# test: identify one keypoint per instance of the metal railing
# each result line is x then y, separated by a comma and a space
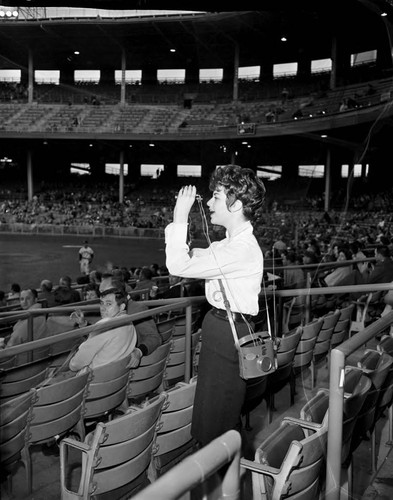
198, 468
156, 307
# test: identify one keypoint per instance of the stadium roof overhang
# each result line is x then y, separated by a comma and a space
194, 5
206, 39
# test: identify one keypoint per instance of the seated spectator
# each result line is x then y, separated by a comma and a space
154, 269
357, 254
148, 338
64, 294
293, 278
310, 257
280, 245
145, 281
334, 277
91, 291
105, 347
382, 272
120, 275
13, 296
19, 335
47, 293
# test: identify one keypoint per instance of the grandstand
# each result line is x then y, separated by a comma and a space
301, 93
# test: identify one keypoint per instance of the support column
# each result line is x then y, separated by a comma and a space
30, 85
333, 73
107, 76
328, 180
121, 177
192, 72
304, 66
29, 162
236, 74
123, 77
149, 75
341, 63
385, 49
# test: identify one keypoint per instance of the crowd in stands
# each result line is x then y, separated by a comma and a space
96, 204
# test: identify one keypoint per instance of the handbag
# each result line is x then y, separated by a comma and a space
256, 351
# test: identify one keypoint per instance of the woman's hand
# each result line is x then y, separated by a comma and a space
185, 200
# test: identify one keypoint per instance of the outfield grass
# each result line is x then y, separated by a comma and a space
27, 259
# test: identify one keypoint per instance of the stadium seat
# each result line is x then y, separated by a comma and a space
341, 330
173, 441
57, 410
107, 390
147, 379
323, 342
289, 461
305, 351
276, 381
14, 429
114, 458
20, 379
176, 365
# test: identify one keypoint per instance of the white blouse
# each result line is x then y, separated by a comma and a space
236, 260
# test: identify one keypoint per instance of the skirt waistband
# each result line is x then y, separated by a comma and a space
237, 317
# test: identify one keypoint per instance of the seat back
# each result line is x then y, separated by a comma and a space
377, 367
180, 322
173, 440
107, 389
165, 328
14, 425
356, 389
58, 407
305, 347
341, 330
289, 462
176, 365
329, 321
386, 345
316, 409
20, 379
114, 455
287, 345
147, 378
293, 314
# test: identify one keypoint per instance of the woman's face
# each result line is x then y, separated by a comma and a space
219, 213
341, 256
109, 308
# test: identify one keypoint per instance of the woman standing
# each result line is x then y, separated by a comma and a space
236, 261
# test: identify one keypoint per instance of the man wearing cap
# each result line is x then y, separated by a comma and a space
86, 255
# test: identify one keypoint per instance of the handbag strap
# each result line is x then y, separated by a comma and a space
229, 313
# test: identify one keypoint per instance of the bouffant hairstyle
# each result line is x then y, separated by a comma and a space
241, 184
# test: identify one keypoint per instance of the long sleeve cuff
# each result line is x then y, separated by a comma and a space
176, 234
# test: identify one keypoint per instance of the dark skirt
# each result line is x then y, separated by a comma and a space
220, 391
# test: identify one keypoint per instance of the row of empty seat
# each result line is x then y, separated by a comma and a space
56, 403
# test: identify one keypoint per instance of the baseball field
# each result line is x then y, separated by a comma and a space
27, 259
